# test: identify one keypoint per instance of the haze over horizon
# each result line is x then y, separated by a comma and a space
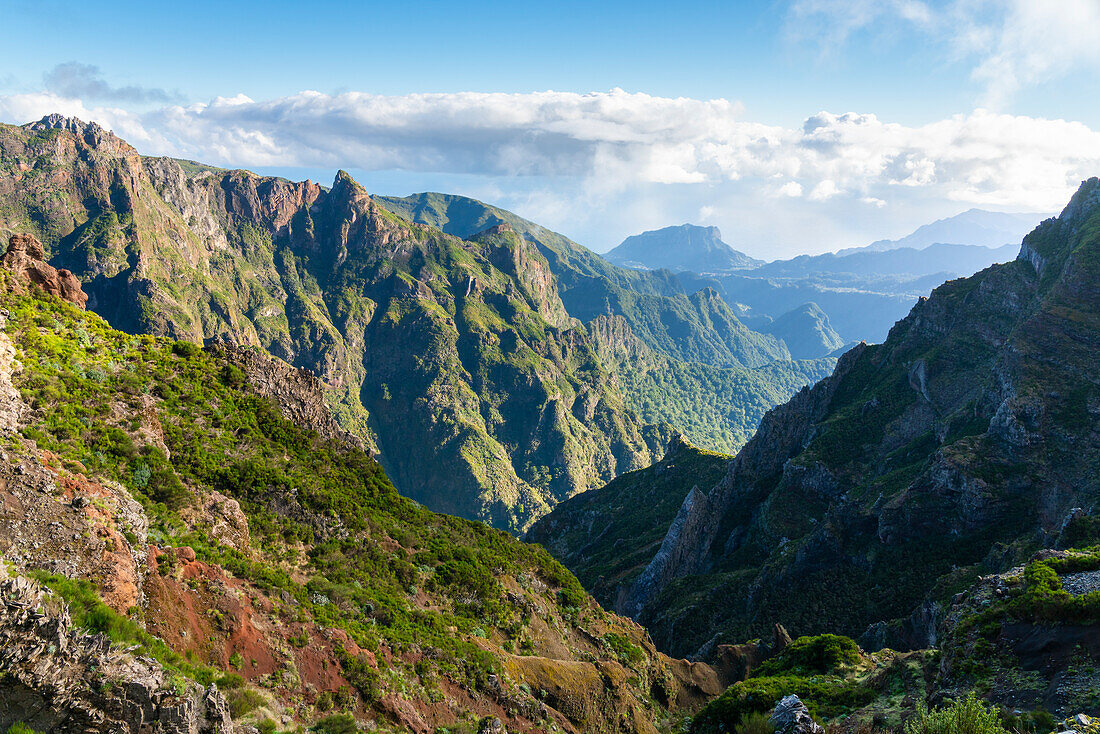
797, 127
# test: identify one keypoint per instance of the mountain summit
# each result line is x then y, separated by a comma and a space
972, 227
687, 247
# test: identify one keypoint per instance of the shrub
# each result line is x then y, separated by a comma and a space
336, 724
755, 723
963, 716
20, 728
244, 701
824, 696
186, 349
625, 650
810, 655
360, 674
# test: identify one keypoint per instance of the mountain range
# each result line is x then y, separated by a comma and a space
451, 337
862, 290
972, 227
235, 411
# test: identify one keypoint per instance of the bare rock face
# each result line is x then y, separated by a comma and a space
296, 391
63, 522
56, 678
11, 403
221, 518
24, 257
792, 717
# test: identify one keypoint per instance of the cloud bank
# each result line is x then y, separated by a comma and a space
615, 140
605, 165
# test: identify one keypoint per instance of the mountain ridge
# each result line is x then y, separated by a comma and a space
682, 247
383, 310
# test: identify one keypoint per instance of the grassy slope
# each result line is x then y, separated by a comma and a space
329, 532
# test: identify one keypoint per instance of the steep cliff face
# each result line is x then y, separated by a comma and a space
455, 360
961, 443
608, 536
205, 547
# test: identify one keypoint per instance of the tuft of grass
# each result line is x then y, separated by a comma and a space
967, 715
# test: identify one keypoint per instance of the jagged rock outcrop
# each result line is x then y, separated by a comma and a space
1025, 646
58, 679
25, 258
297, 392
62, 521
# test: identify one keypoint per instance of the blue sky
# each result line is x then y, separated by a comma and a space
919, 75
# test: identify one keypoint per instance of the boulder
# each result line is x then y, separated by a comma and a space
792, 717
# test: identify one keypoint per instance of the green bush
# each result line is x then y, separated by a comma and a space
810, 655
963, 716
336, 724
756, 723
243, 701
824, 696
20, 728
626, 651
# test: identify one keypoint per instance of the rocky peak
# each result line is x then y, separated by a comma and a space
58, 121
93, 135
1052, 240
1084, 202
25, 258
511, 253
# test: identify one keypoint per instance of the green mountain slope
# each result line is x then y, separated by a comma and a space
970, 438
454, 358
806, 331
699, 327
717, 408
161, 490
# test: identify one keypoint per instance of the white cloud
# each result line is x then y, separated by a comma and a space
1010, 44
827, 189
1036, 41
792, 189
587, 162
